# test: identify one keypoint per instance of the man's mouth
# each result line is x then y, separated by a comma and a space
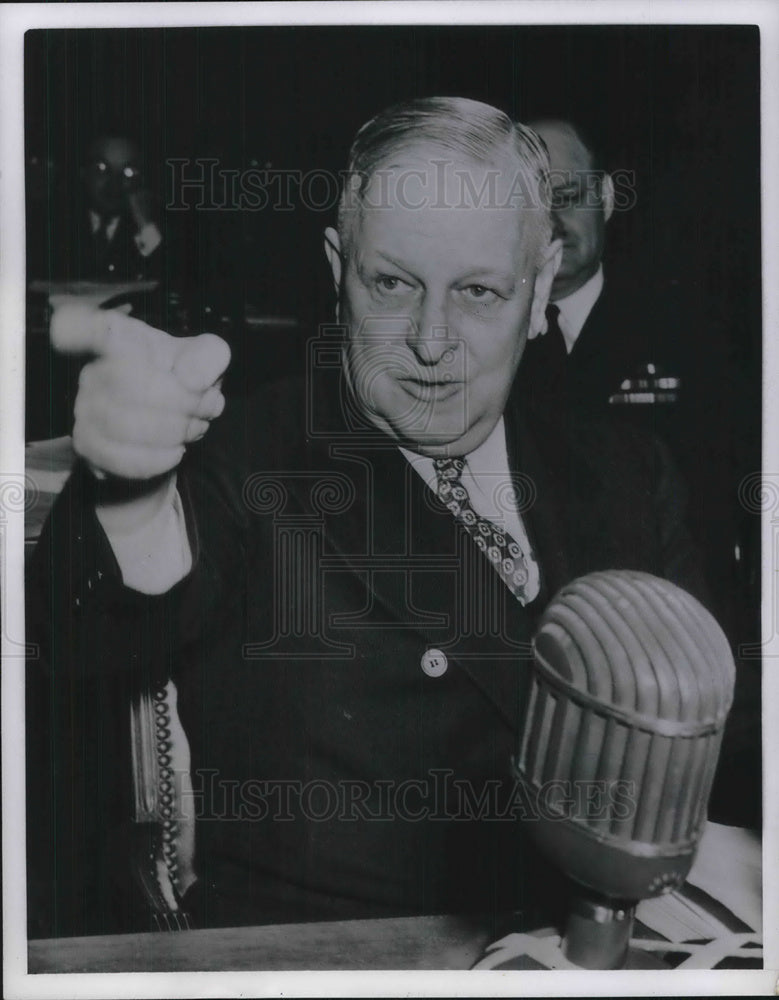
431, 388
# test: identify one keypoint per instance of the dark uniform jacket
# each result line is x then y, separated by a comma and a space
631, 360
698, 399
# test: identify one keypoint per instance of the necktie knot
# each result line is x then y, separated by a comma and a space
554, 334
449, 469
450, 490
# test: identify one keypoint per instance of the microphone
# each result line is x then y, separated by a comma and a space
631, 685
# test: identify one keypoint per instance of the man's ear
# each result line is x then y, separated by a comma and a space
607, 196
543, 287
333, 254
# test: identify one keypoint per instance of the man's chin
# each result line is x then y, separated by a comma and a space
441, 441
435, 431
420, 437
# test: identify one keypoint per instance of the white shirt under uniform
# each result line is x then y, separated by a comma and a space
575, 308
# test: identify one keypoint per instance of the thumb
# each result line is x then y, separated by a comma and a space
200, 361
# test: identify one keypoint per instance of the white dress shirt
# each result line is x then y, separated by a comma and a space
576, 307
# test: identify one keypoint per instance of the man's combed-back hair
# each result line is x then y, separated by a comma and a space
466, 128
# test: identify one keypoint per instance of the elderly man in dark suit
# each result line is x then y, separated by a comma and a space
326, 599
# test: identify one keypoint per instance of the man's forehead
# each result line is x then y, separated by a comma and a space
443, 242
437, 178
566, 150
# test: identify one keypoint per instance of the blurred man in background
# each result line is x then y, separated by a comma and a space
95, 232
125, 236
603, 350
107, 228
618, 347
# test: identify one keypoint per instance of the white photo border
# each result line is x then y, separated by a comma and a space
14, 21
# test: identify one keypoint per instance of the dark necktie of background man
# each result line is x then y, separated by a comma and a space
543, 372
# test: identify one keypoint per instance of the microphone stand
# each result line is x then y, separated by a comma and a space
597, 935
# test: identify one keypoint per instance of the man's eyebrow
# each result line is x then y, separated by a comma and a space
507, 278
389, 260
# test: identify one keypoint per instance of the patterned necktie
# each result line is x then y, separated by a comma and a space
498, 546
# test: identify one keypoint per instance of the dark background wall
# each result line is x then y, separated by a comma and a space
677, 105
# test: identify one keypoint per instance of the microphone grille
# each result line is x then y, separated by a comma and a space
631, 686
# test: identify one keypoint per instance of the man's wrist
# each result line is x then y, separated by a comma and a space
125, 505
148, 536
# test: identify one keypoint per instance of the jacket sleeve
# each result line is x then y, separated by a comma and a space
83, 617
96, 642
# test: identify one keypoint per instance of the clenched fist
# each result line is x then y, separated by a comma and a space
145, 396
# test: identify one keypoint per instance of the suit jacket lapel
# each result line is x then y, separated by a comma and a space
425, 573
533, 454
394, 535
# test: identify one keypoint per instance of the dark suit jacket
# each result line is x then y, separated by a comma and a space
335, 778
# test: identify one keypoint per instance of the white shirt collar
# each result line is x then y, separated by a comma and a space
483, 465
488, 457
576, 307
95, 220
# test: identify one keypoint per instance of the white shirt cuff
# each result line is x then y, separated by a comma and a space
155, 555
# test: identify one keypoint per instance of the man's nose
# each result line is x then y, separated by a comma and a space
429, 335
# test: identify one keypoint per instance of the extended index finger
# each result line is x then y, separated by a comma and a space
79, 328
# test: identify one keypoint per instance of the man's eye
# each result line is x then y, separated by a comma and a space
481, 294
389, 283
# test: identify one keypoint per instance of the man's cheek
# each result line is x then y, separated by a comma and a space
374, 372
